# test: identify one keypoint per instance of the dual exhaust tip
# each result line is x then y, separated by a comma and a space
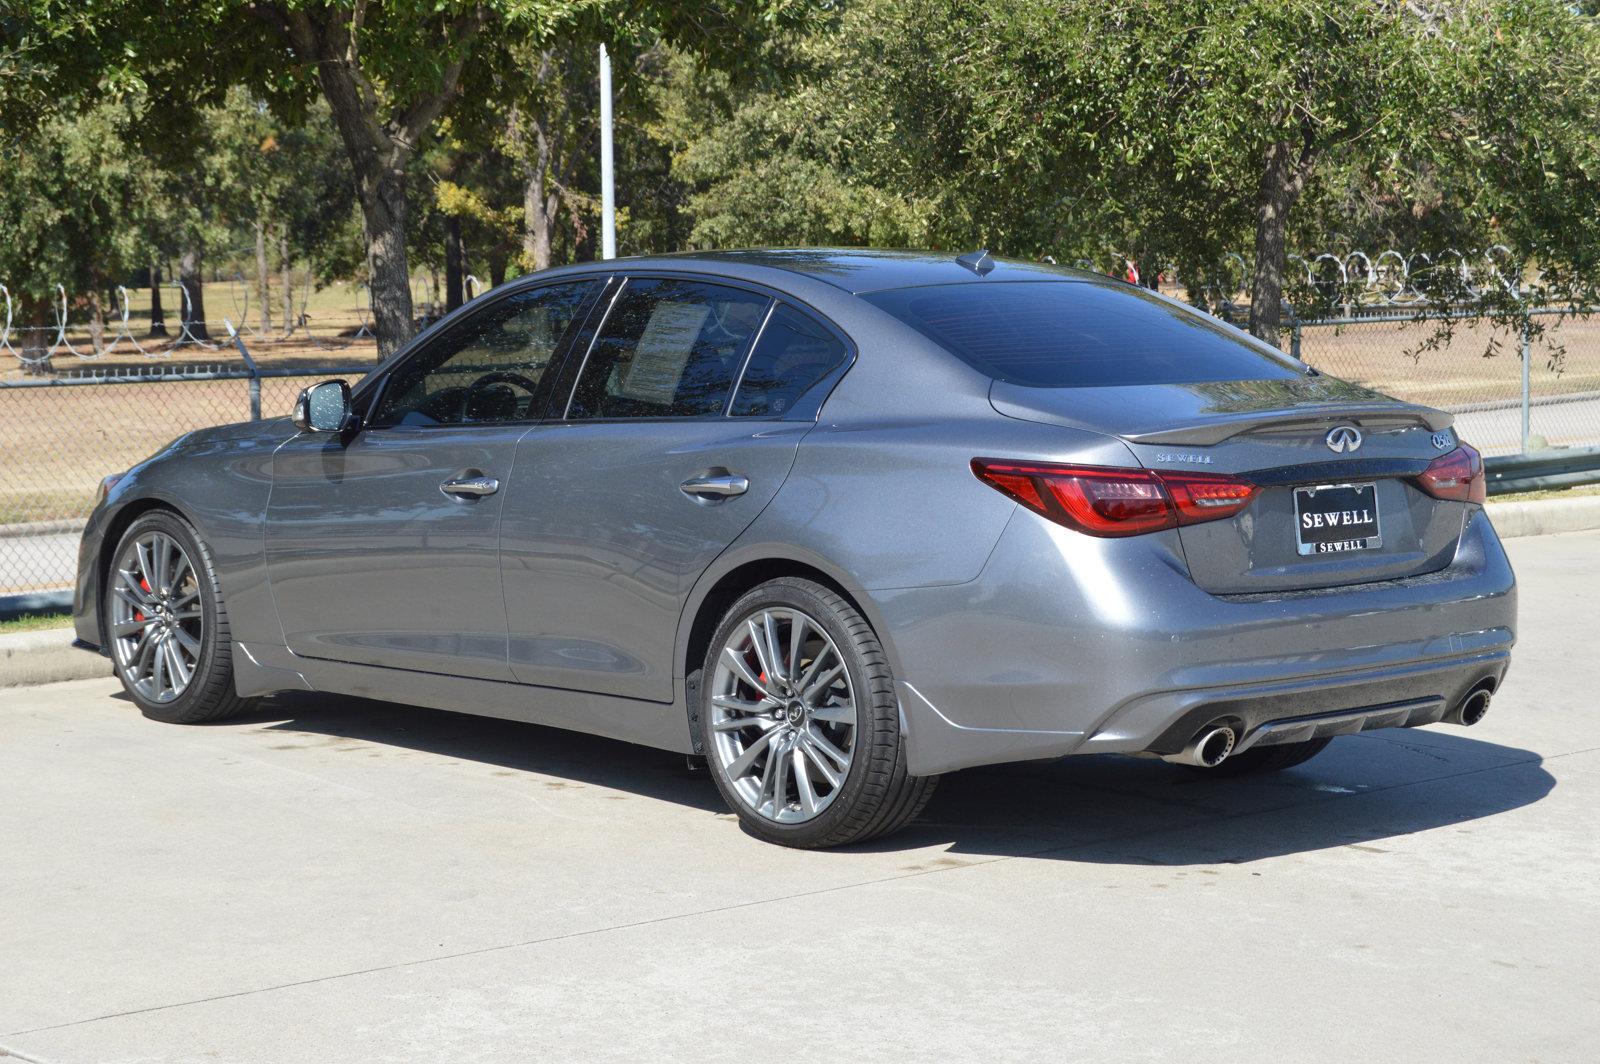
1208, 749
1471, 709
1213, 745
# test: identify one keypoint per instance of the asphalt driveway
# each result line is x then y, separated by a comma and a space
334, 880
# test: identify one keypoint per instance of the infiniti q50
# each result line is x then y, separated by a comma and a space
837, 521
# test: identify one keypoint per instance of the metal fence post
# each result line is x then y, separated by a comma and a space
250, 366
1294, 337
1527, 386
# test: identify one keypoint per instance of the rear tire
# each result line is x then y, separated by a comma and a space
800, 723
1264, 759
166, 625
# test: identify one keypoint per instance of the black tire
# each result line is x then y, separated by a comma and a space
1264, 759
877, 796
210, 694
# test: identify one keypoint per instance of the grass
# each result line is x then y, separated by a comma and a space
1548, 493
35, 622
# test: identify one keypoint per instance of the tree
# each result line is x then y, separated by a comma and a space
70, 182
1173, 132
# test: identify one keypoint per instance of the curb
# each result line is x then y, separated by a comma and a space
28, 658
1544, 517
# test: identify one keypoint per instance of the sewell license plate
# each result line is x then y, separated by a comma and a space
1332, 518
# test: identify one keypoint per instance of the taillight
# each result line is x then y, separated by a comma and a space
1115, 502
1457, 476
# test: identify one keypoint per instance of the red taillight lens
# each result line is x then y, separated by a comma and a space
1115, 502
1457, 476
1206, 498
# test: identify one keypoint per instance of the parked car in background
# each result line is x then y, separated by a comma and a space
839, 521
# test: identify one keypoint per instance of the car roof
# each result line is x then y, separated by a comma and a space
862, 270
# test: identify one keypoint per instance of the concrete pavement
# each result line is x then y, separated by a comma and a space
333, 880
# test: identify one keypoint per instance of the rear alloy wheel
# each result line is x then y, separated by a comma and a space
799, 720
167, 630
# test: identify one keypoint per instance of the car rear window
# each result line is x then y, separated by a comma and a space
1071, 334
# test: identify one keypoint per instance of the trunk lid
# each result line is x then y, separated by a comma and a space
1275, 433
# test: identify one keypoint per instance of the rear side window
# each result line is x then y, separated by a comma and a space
792, 355
668, 349
1069, 334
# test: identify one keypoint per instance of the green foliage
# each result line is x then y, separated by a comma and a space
1094, 130
1084, 130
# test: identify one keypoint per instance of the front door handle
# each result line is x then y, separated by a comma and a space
470, 487
715, 487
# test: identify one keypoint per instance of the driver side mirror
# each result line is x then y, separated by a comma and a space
324, 407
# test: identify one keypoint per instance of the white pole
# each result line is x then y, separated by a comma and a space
608, 196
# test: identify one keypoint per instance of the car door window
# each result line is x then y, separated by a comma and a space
490, 367
669, 348
792, 355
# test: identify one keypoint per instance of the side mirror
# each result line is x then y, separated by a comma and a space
323, 407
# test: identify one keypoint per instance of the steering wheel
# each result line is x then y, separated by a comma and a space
527, 384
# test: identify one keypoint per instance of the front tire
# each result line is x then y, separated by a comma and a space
166, 623
800, 723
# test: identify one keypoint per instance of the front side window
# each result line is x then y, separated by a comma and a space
1078, 334
489, 367
669, 348
792, 355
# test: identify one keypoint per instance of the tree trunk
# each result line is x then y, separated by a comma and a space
288, 283
263, 279
454, 297
158, 317
536, 234
194, 306
497, 266
384, 209
97, 320
36, 338
1282, 178
379, 145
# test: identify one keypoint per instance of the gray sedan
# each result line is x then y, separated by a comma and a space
836, 521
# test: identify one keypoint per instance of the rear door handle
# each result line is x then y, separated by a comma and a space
715, 487
470, 487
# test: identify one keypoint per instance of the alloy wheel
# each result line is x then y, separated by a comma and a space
156, 617
783, 715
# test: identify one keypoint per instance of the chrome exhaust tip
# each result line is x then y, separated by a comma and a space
1471, 709
1208, 749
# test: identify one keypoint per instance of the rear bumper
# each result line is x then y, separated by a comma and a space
1066, 645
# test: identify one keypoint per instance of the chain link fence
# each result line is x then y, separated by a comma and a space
1513, 390
66, 425
61, 435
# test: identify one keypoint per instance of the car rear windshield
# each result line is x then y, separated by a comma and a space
1073, 334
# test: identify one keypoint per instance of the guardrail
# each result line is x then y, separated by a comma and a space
1560, 468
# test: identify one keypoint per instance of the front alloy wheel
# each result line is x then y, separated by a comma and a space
157, 623
166, 625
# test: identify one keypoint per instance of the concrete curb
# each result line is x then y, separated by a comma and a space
1543, 517
48, 656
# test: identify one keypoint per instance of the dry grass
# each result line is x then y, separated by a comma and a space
58, 442
1386, 356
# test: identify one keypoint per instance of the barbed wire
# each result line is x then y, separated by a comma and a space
1352, 280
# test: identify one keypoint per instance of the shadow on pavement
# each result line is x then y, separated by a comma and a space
1100, 809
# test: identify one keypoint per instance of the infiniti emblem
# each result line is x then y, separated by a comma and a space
1344, 438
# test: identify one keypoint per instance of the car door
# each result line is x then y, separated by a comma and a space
382, 545
618, 507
